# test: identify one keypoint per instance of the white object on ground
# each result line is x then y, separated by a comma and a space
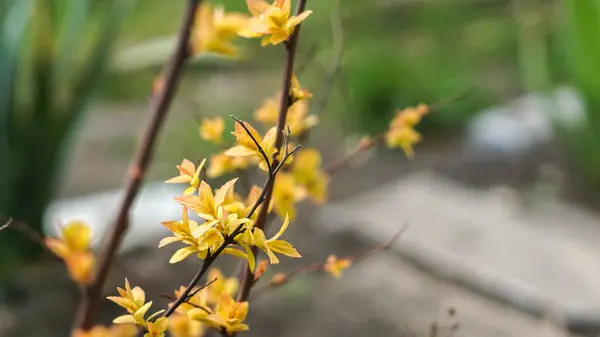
516, 128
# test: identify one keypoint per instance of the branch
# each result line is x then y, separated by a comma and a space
291, 45
193, 293
26, 231
6, 225
189, 297
338, 29
346, 161
230, 239
255, 141
159, 106
285, 278
208, 261
367, 143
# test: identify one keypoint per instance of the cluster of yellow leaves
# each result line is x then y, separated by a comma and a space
297, 119
274, 23
211, 130
305, 179
214, 29
247, 152
220, 209
247, 147
402, 133
134, 301
212, 306
189, 174
74, 248
118, 330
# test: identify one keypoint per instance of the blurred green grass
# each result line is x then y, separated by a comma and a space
394, 57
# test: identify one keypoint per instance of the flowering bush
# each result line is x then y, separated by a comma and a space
231, 223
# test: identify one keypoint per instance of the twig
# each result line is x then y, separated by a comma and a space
27, 231
384, 247
309, 56
262, 197
321, 265
260, 149
173, 298
346, 161
190, 296
6, 225
208, 261
338, 29
159, 107
291, 45
230, 239
193, 293
436, 106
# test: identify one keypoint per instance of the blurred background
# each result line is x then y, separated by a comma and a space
501, 200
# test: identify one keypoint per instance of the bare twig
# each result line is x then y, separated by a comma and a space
25, 230
346, 161
321, 265
6, 225
308, 58
441, 104
169, 297
193, 293
159, 107
338, 29
384, 247
291, 44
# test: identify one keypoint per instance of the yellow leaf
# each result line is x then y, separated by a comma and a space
182, 254
77, 236
125, 319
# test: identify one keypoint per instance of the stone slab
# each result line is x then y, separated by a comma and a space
542, 260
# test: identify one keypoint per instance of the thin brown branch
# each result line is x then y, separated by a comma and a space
260, 149
193, 293
188, 298
309, 56
346, 161
262, 197
384, 247
159, 106
291, 46
367, 143
173, 298
208, 261
338, 28
285, 278
28, 232
441, 104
